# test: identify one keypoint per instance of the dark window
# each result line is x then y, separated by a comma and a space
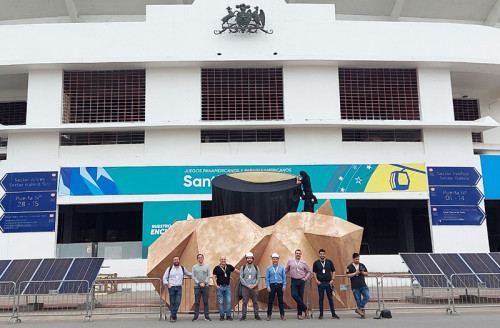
3, 157
102, 138
13, 113
468, 110
381, 135
212, 136
104, 96
391, 226
492, 208
242, 94
379, 94
99, 223
3, 141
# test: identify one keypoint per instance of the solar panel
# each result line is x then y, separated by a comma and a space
49, 270
3, 265
483, 263
495, 257
81, 269
21, 270
453, 264
425, 270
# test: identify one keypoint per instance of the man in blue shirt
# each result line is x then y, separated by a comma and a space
276, 284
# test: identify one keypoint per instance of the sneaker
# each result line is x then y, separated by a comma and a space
229, 318
334, 316
320, 317
207, 318
221, 318
257, 317
243, 318
194, 319
268, 318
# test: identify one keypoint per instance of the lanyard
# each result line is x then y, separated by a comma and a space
298, 263
224, 269
276, 271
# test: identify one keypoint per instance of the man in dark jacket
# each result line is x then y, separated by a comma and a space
307, 194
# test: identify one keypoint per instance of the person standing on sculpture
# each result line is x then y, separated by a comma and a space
222, 281
357, 272
324, 275
173, 280
201, 276
249, 278
299, 273
275, 284
307, 194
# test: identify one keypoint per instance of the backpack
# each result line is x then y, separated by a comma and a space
386, 314
169, 269
239, 293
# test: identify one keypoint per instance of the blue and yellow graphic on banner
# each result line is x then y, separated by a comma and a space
157, 180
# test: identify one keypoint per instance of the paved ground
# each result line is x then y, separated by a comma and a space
434, 319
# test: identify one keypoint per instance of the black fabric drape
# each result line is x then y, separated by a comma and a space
263, 203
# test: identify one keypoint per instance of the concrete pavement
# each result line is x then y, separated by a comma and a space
435, 319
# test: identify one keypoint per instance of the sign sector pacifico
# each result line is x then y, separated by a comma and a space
453, 176
454, 197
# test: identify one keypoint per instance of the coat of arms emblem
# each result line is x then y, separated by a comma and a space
243, 20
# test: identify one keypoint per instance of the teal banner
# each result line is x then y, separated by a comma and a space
161, 180
159, 216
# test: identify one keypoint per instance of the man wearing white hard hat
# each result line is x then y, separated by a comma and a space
276, 284
249, 278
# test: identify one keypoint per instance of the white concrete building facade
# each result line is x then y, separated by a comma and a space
120, 195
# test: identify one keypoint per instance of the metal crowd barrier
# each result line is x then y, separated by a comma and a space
343, 287
149, 296
483, 290
127, 296
8, 300
408, 291
53, 298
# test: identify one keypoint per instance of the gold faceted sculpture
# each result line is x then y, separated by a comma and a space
234, 235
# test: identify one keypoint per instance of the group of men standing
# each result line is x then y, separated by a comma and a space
276, 284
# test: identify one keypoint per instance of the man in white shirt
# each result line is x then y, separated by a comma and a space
173, 279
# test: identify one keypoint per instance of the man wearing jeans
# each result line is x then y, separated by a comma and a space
324, 275
222, 280
299, 273
276, 285
201, 276
173, 279
357, 272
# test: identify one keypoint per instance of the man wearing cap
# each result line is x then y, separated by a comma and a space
299, 273
222, 280
249, 278
324, 275
275, 284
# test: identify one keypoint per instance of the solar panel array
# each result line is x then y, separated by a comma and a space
464, 270
45, 276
